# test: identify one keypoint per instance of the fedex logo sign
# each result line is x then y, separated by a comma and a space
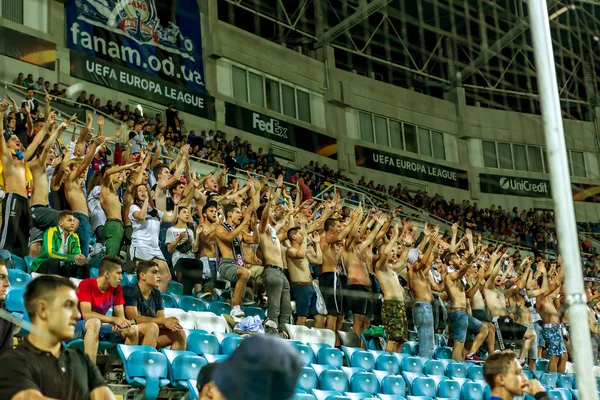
270, 126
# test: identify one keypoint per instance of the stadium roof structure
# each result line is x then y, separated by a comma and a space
432, 46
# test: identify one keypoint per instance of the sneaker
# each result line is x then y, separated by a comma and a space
473, 357
237, 312
271, 327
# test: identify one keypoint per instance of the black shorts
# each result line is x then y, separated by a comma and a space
330, 287
481, 315
360, 300
509, 329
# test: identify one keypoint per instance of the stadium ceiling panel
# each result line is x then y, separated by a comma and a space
432, 46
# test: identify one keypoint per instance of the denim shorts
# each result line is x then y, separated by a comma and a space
461, 322
106, 333
306, 300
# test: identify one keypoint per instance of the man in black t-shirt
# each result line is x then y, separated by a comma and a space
41, 367
144, 304
6, 328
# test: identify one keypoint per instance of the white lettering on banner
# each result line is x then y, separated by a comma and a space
270, 126
130, 79
415, 167
523, 185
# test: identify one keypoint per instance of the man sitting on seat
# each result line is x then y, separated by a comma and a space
96, 297
144, 305
61, 251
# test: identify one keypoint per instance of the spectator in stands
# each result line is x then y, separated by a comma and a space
55, 90
504, 374
39, 84
6, 327
262, 367
170, 116
144, 305
19, 79
60, 253
33, 103
137, 137
41, 367
205, 384
28, 82
96, 297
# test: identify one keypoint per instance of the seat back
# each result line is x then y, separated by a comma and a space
434, 367
209, 321
324, 336
566, 381
186, 367
449, 389
168, 300
411, 364
383, 396
230, 343
364, 382
151, 365
330, 356
305, 352
18, 278
350, 371
393, 384
423, 386
541, 365
319, 369
411, 348
203, 343
333, 380
190, 303
324, 394
298, 332
14, 301
18, 263
442, 353
307, 380
349, 339
475, 372
251, 311
362, 359
550, 379
387, 362
456, 370
185, 319
560, 394
219, 307
175, 287
472, 391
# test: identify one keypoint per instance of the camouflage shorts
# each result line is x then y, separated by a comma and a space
393, 315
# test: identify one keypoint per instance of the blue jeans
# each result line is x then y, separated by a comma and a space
423, 319
460, 323
84, 232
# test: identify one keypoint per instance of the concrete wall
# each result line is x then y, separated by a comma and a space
337, 98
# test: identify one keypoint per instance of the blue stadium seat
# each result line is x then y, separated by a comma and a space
560, 394
541, 364
438, 379
324, 394
423, 386
364, 382
28, 261
528, 374
362, 359
350, 371
410, 348
383, 396
14, 300
442, 353
434, 367
305, 352
303, 396
550, 379
228, 342
307, 380
19, 263
449, 389
333, 380
316, 347
411, 364
93, 272
472, 391
349, 351
393, 384
175, 287
340, 397
456, 370
400, 356
168, 300
190, 303
251, 311
213, 358
418, 398
358, 396
330, 356
18, 278
575, 394
409, 377
219, 307
475, 372
566, 381
387, 362
184, 367
144, 368
203, 343
319, 369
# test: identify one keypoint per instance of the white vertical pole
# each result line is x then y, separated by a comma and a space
562, 196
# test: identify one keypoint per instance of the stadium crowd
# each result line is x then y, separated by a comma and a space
68, 208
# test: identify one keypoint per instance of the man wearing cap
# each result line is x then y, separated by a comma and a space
261, 368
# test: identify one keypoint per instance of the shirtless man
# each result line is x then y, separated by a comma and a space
329, 282
478, 311
494, 293
73, 184
420, 286
520, 303
111, 204
207, 244
42, 216
164, 180
277, 284
16, 215
299, 255
360, 301
393, 310
461, 322
552, 330
231, 260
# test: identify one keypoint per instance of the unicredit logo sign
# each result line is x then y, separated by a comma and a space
523, 185
270, 125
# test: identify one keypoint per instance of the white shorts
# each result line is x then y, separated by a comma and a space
146, 254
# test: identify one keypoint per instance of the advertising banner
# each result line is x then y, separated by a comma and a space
152, 47
411, 168
29, 49
280, 131
514, 186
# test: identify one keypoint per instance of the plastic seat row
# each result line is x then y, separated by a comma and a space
203, 343
204, 320
311, 335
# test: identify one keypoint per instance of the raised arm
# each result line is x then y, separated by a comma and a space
300, 252
37, 140
3, 148
87, 160
317, 257
385, 254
